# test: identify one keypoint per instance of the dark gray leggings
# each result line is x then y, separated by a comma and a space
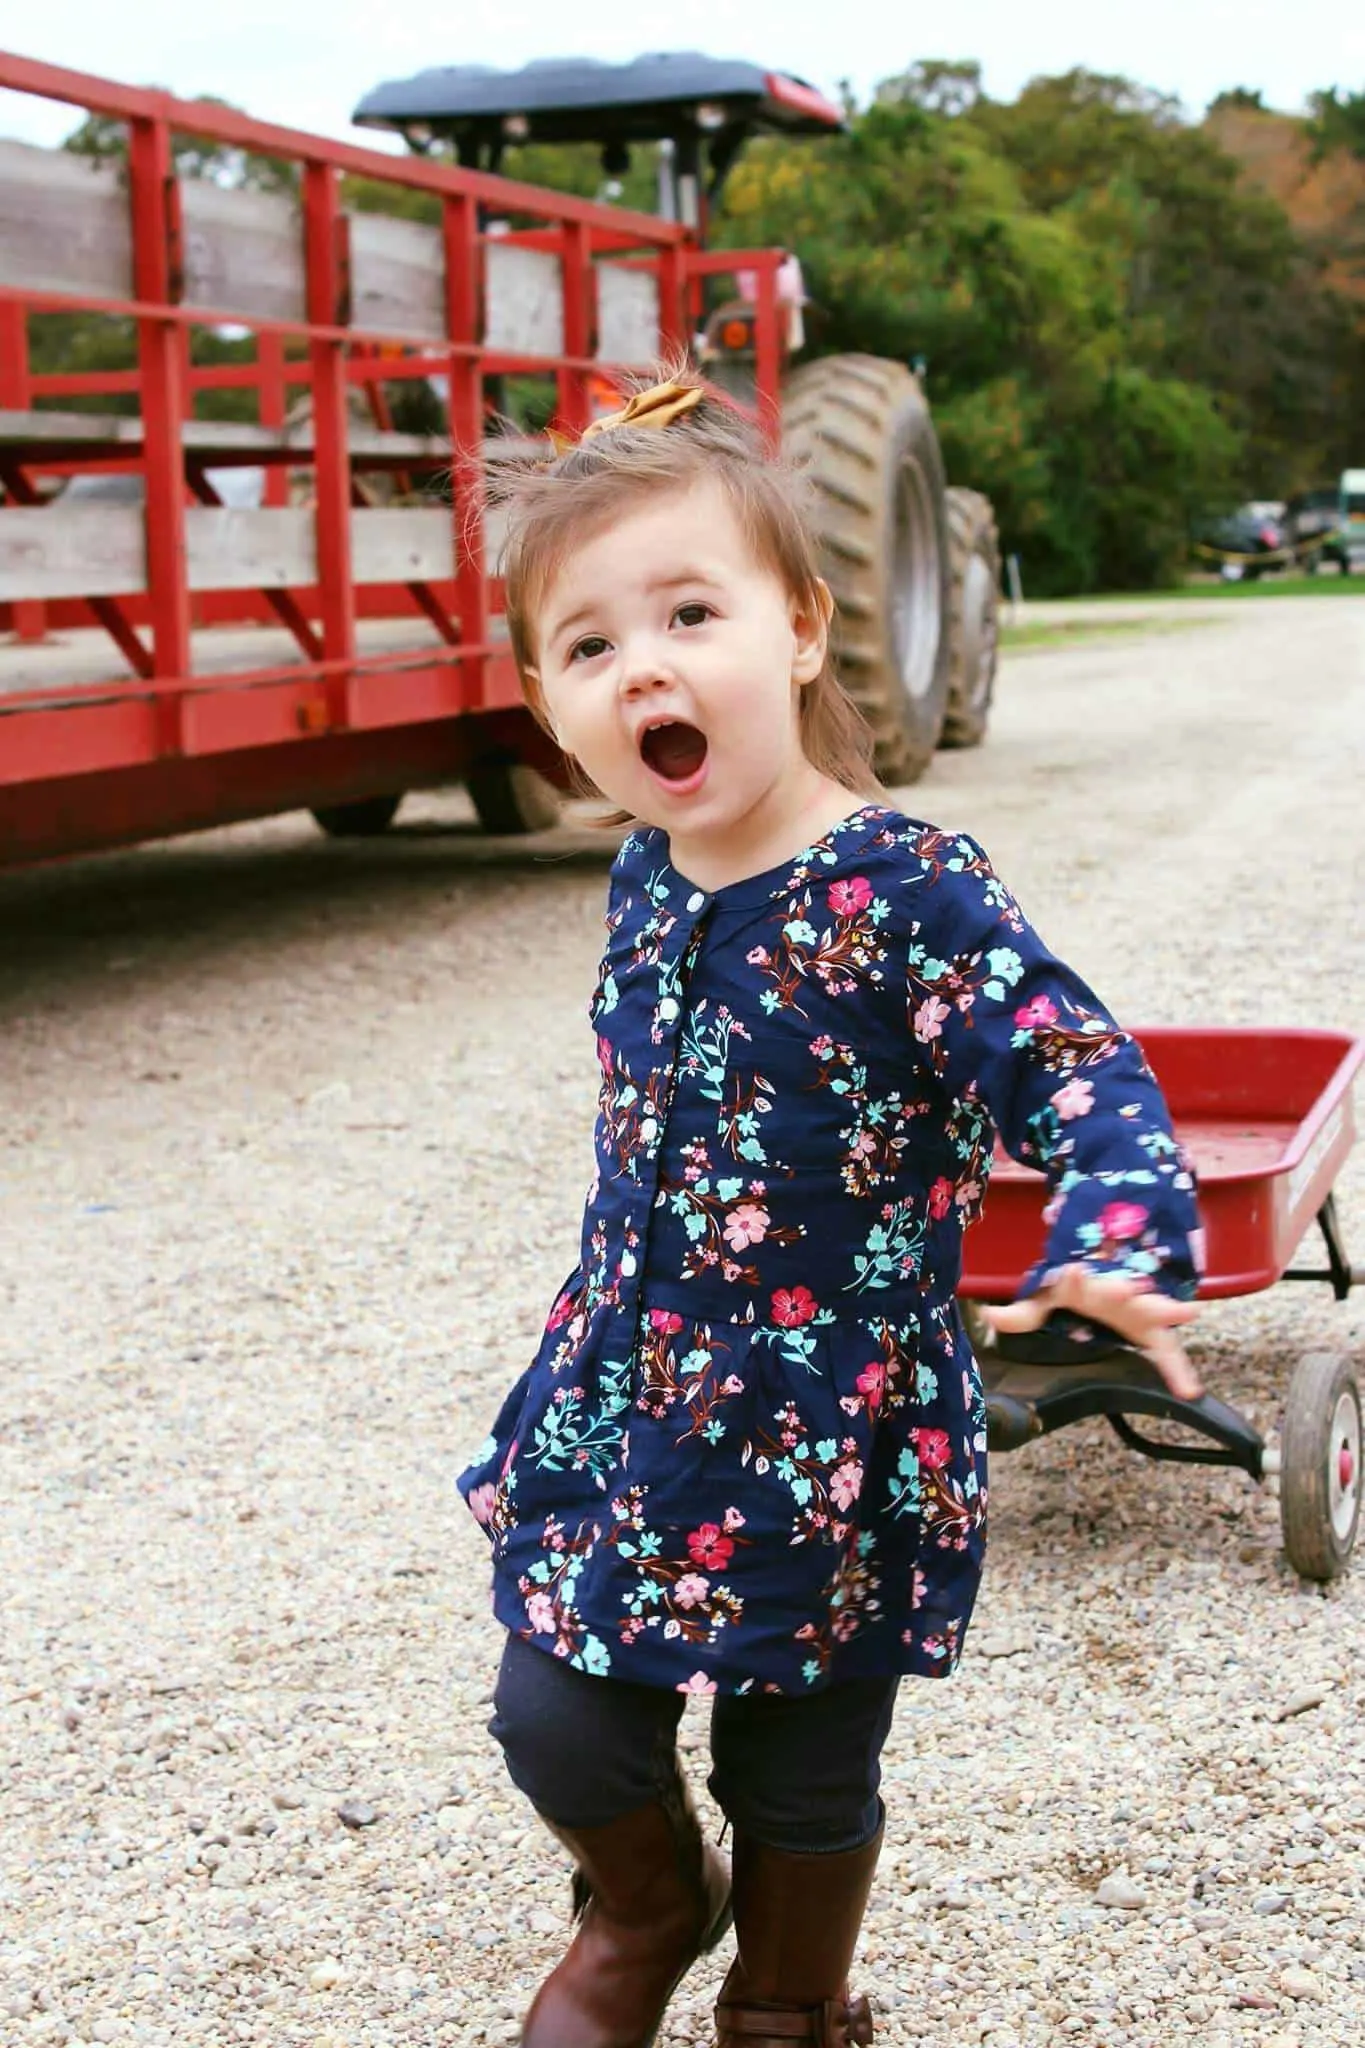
799, 1773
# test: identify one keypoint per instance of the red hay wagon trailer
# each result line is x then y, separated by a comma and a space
177, 659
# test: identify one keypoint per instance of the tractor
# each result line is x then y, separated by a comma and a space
913, 563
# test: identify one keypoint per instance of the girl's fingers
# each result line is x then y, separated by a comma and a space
1020, 1315
1070, 1287
1172, 1361
1143, 1318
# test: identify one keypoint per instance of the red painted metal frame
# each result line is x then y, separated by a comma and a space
154, 195
120, 745
327, 251
1269, 1119
17, 390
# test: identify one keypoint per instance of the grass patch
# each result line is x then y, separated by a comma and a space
1329, 584
1068, 632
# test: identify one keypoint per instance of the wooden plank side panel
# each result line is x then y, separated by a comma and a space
276, 549
627, 314
61, 433
64, 223
270, 549
100, 551
64, 226
404, 544
243, 251
63, 436
525, 301
71, 551
397, 277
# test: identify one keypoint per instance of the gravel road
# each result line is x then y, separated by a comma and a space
279, 1219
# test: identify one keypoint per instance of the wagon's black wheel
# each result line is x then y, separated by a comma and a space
1320, 1466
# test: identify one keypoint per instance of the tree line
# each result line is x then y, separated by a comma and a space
1122, 335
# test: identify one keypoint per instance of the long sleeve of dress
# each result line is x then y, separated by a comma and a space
1009, 1028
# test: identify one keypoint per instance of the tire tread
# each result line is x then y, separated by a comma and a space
839, 416
971, 531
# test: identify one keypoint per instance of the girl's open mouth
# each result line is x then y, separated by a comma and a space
675, 753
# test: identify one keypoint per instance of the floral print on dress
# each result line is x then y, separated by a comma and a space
750, 1453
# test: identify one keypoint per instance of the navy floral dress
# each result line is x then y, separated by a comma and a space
751, 1450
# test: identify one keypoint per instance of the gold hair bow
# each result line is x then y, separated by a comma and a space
657, 407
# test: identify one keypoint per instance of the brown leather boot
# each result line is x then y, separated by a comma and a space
796, 1922
649, 1896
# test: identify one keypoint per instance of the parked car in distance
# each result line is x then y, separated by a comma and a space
1255, 529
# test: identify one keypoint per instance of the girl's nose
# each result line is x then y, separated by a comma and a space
644, 666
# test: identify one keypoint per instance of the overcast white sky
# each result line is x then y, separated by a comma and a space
307, 62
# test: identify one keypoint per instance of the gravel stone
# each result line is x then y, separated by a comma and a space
1119, 1890
356, 1813
1302, 1702
281, 1216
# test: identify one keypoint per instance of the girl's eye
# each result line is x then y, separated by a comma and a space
588, 648
695, 614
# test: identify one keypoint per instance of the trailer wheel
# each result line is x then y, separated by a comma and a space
510, 799
861, 430
364, 819
973, 617
1320, 1466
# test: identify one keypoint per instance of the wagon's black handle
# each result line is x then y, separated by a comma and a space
1064, 1339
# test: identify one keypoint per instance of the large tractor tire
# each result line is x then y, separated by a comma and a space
860, 429
510, 799
973, 617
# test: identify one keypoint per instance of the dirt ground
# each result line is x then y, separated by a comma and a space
293, 1138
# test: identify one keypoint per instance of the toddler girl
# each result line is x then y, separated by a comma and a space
748, 1460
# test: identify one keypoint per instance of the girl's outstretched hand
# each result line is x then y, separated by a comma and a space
1133, 1310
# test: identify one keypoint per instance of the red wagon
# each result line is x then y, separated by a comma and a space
1268, 1119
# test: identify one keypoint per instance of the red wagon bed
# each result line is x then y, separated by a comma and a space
1268, 1119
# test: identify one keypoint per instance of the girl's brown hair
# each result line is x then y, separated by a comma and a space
552, 510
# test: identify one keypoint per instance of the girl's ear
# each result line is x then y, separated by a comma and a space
810, 619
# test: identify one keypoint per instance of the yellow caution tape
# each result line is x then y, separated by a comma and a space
1265, 556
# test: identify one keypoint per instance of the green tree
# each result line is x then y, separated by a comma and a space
1120, 335
918, 240
939, 85
1338, 122
1240, 98
1337, 127
1218, 291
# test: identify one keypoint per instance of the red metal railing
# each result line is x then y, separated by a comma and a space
166, 709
